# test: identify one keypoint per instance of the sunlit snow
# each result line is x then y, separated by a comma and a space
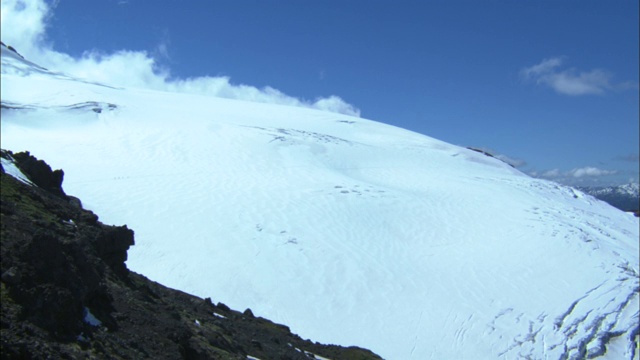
10, 168
347, 230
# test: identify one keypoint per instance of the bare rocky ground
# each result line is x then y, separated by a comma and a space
67, 293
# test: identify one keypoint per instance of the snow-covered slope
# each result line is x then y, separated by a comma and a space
348, 230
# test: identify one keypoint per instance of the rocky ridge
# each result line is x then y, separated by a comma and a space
67, 293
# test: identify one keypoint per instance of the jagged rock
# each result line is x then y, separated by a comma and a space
112, 245
223, 307
40, 172
75, 202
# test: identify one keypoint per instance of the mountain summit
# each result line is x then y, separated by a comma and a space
349, 230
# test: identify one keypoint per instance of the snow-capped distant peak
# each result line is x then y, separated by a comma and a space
631, 189
625, 197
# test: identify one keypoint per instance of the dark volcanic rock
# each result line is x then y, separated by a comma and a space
39, 172
112, 246
67, 293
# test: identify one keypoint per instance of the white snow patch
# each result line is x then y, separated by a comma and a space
314, 356
11, 169
90, 319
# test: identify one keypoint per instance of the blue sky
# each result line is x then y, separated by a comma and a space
552, 85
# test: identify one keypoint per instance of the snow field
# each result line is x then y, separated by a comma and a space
347, 230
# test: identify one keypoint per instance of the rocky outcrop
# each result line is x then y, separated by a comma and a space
40, 173
67, 293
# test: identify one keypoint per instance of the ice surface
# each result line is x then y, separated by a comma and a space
347, 230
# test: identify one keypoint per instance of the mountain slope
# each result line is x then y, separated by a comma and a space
66, 292
349, 230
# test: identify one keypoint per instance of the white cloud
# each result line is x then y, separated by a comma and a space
546, 66
162, 49
590, 171
571, 81
585, 176
551, 173
579, 176
334, 103
24, 24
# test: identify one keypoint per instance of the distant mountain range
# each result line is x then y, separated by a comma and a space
624, 197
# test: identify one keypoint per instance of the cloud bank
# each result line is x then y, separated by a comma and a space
587, 174
590, 171
24, 24
571, 81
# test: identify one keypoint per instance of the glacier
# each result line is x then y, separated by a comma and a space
348, 230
